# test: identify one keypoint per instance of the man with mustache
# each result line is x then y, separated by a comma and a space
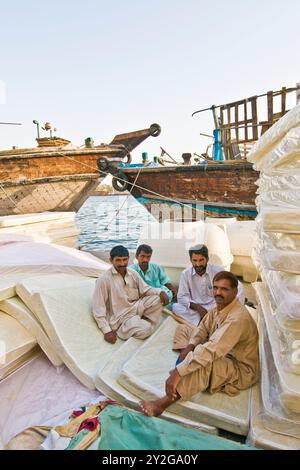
123, 304
221, 354
152, 273
195, 294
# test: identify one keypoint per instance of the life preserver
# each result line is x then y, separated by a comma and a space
121, 184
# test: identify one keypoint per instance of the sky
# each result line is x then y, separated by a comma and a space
95, 68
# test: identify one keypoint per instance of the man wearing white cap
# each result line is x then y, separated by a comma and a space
195, 294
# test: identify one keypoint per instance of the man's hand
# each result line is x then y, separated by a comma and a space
171, 384
164, 298
110, 337
173, 290
201, 310
184, 352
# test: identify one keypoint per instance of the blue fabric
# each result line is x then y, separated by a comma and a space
154, 277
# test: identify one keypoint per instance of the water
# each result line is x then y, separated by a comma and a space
106, 221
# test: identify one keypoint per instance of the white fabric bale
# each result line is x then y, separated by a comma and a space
63, 305
15, 342
241, 237
6, 238
171, 242
17, 220
260, 151
289, 383
18, 310
42, 258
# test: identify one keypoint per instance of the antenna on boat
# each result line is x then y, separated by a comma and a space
11, 123
37, 127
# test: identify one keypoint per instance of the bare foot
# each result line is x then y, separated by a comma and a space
155, 407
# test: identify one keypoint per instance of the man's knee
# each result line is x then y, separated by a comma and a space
144, 331
179, 309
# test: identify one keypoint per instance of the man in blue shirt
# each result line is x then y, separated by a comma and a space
152, 273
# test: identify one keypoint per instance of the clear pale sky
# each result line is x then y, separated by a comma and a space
98, 68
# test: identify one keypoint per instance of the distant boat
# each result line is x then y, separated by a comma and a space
221, 184
58, 176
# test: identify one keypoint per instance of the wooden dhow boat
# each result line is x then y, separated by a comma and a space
58, 176
221, 183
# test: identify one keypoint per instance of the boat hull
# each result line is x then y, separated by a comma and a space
219, 190
47, 194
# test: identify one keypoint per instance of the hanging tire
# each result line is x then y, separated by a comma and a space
121, 184
129, 159
102, 164
155, 130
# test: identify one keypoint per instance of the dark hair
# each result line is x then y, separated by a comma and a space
145, 248
118, 250
199, 250
226, 275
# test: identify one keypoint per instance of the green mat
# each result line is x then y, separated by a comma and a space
124, 429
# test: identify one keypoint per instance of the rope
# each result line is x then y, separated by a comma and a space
161, 196
8, 196
118, 210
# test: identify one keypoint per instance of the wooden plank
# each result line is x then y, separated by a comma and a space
270, 106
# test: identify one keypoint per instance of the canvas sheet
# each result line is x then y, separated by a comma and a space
42, 258
37, 393
123, 429
15, 220
259, 436
18, 310
63, 305
107, 382
289, 383
146, 371
15, 340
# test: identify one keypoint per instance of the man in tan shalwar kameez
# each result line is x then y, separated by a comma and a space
220, 355
123, 304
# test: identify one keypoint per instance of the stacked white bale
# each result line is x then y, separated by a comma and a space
171, 241
277, 256
241, 236
21, 330
54, 227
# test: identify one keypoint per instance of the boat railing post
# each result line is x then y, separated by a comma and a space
298, 93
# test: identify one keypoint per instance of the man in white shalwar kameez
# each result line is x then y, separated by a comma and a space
123, 304
195, 294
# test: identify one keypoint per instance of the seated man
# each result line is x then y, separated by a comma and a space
122, 300
152, 273
220, 356
195, 294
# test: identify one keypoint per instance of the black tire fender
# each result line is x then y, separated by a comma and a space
120, 181
103, 164
155, 130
